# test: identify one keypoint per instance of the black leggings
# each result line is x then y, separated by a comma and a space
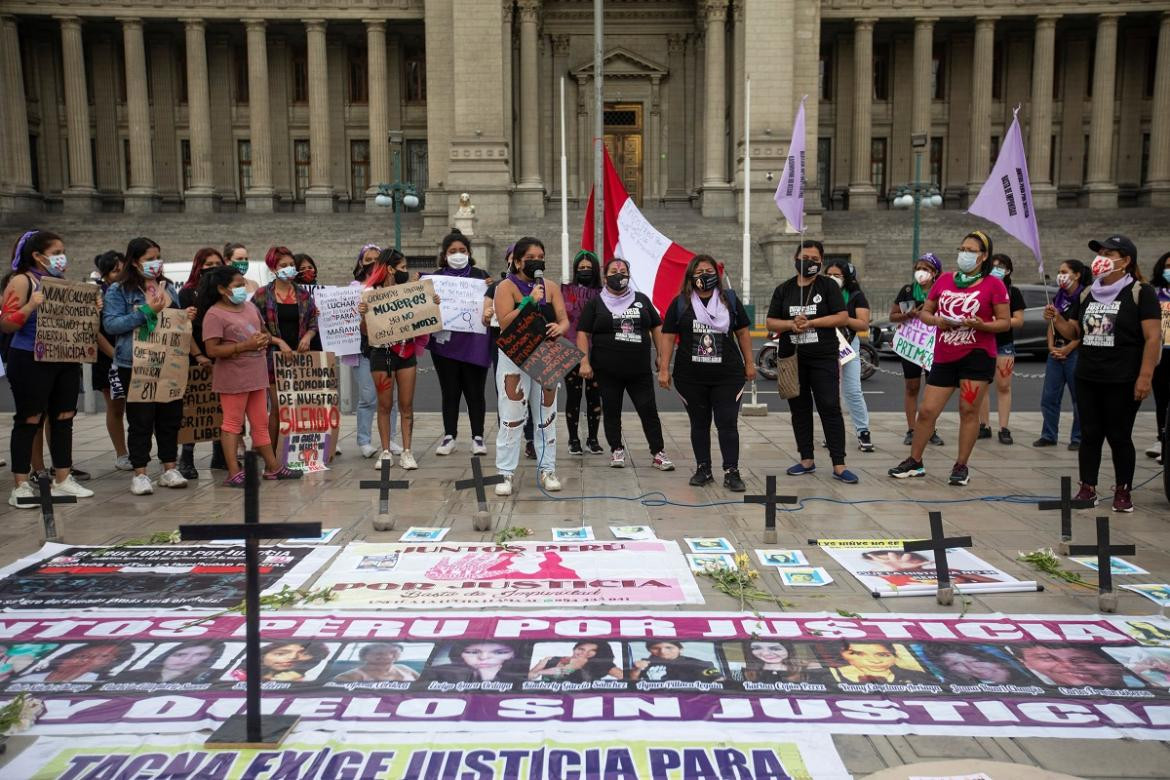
820, 381
640, 387
41, 390
721, 402
457, 380
1162, 390
1108, 411
574, 385
146, 420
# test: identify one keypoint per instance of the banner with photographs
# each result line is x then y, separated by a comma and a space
529, 753
520, 574
67, 322
882, 566
61, 576
308, 393
985, 675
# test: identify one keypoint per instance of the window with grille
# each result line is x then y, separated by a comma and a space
181, 65
938, 74
415, 70
621, 118
301, 161
936, 161
300, 77
877, 165
358, 75
881, 72
244, 164
359, 168
185, 158
240, 67
825, 74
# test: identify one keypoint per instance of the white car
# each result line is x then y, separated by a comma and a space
179, 270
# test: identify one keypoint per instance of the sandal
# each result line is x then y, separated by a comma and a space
235, 481
284, 472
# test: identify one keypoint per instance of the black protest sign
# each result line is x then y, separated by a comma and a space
526, 344
551, 361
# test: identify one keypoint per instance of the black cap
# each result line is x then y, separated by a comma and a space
1119, 243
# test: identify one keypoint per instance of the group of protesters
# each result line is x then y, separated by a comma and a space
1105, 341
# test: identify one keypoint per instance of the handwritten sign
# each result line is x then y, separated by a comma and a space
1166, 324
309, 399
201, 413
523, 335
67, 323
524, 342
461, 302
400, 312
160, 367
338, 320
914, 342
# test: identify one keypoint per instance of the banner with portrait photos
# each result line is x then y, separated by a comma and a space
986, 675
61, 576
885, 569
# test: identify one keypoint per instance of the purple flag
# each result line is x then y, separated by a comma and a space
1006, 196
790, 192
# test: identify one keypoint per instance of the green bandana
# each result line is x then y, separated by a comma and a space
151, 323
963, 280
919, 292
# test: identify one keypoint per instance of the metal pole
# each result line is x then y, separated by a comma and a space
565, 276
917, 200
747, 195
252, 599
396, 195
598, 130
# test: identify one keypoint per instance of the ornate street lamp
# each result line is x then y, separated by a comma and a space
398, 194
917, 195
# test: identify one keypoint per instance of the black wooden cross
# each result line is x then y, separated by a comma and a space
938, 543
478, 481
383, 486
770, 500
1066, 505
45, 501
1104, 552
251, 730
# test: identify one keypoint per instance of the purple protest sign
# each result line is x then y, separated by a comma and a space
789, 195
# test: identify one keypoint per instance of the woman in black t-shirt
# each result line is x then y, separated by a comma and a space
806, 311
623, 324
1005, 359
714, 360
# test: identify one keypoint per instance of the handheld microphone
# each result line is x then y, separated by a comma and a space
538, 275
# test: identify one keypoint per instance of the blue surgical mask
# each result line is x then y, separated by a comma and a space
152, 269
999, 272
1166, 274
239, 295
57, 265
287, 274
968, 261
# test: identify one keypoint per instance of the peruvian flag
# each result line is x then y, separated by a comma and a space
657, 264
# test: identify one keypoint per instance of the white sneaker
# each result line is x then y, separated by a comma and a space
395, 447
123, 463
384, 456
408, 461
24, 490
369, 451
549, 481
477, 446
141, 485
171, 478
1154, 450
71, 487
505, 488
617, 459
446, 446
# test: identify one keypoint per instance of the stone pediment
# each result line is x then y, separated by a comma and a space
622, 64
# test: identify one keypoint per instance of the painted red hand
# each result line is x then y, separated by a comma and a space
968, 391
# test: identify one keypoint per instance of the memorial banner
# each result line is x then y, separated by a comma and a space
714, 752
161, 360
881, 566
202, 414
524, 674
401, 311
525, 343
61, 576
914, 341
67, 322
461, 301
308, 393
528, 574
338, 321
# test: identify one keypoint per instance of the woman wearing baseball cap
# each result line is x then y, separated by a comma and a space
1119, 323
907, 306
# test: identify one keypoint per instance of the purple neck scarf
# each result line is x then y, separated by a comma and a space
1107, 293
524, 286
617, 303
1063, 298
713, 313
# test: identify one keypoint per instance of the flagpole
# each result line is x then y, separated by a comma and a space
565, 277
598, 131
747, 190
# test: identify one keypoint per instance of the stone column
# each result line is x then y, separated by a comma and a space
319, 197
507, 9
379, 103
1159, 173
260, 197
718, 198
142, 195
982, 69
200, 194
923, 69
529, 11
1040, 118
18, 193
862, 195
1100, 184
80, 195
676, 124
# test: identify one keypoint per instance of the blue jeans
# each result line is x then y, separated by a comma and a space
1058, 374
367, 401
851, 390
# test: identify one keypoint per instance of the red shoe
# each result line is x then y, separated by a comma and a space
1087, 493
1121, 499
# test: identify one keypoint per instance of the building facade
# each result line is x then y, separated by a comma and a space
307, 105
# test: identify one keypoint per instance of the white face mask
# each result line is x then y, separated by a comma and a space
840, 280
458, 261
968, 261
1063, 279
922, 276
1102, 266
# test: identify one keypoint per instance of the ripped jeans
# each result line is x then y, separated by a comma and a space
526, 394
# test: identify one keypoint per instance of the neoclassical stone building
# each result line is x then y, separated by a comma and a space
291, 105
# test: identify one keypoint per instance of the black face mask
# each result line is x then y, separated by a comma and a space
708, 281
585, 277
532, 266
401, 277
807, 267
617, 282
361, 273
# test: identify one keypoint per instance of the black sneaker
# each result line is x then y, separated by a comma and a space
908, 439
530, 451
732, 481
863, 441
1005, 436
575, 447
984, 431
959, 475
1075, 446
936, 440
79, 475
593, 446
702, 476
188, 470
908, 468
1042, 442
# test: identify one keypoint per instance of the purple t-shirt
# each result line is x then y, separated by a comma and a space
960, 303
474, 348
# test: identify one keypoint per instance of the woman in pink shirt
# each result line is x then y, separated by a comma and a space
968, 306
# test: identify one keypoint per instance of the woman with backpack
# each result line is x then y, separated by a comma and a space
1061, 369
714, 360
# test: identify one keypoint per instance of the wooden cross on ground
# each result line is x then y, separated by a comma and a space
1106, 598
483, 520
251, 729
770, 501
384, 522
938, 543
1066, 505
45, 501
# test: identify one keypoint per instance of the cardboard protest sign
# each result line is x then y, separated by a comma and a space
461, 301
338, 321
914, 341
202, 415
546, 360
1166, 323
308, 394
161, 362
67, 322
400, 312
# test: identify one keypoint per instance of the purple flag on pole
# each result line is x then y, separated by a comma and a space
790, 192
1006, 196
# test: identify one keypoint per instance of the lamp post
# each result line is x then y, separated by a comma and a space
917, 194
397, 194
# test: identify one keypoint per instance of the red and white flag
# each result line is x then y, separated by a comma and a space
657, 264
